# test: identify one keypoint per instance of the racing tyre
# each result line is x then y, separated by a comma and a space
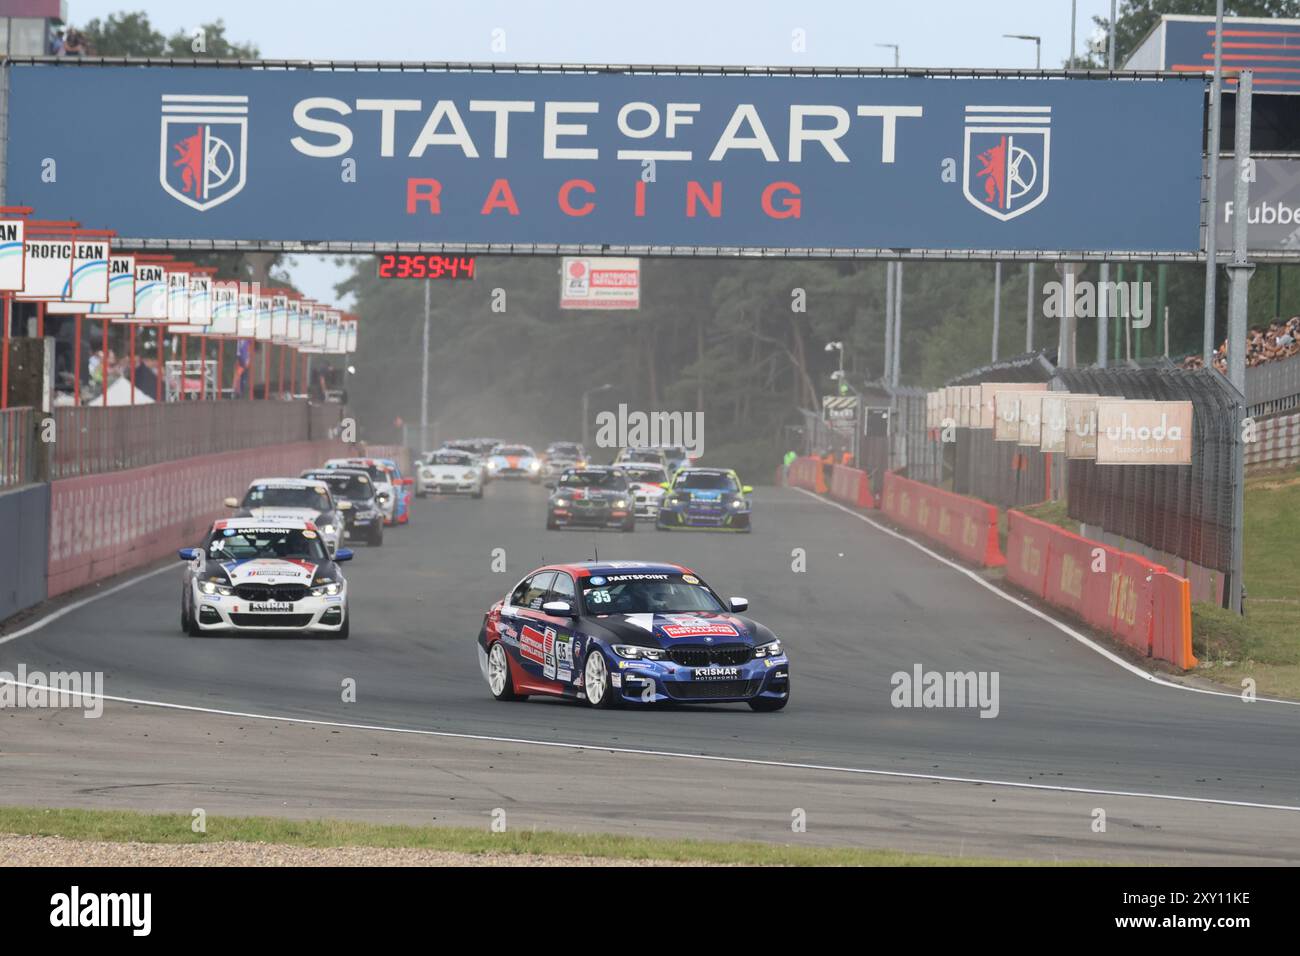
185, 614
595, 678
551, 525
479, 493
342, 634
629, 526
192, 626
376, 539
500, 683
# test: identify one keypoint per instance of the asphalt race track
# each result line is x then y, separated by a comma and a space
1075, 731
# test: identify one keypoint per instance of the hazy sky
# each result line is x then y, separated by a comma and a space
957, 33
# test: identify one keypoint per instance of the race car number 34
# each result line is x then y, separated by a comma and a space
272, 606
717, 673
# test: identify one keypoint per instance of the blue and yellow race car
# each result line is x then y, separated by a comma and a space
705, 499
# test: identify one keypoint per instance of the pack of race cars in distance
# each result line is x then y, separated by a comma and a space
627, 632
616, 496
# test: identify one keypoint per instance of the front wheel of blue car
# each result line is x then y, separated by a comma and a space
599, 688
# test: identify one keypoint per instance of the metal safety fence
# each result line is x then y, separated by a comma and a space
1004, 473
92, 440
1273, 387
1181, 510
16, 463
892, 437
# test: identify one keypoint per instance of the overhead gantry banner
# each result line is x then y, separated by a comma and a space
624, 159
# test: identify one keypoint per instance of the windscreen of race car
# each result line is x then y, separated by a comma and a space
648, 594
278, 496
351, 487
246, 544
609, 480
703, 481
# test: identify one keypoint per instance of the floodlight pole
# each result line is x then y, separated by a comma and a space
889, 323
424, 377
1239, 272
1212, 191
1103, 310
898, 320
997, 306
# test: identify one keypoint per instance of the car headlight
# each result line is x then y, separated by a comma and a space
534, 465
326, 529
621, 503
324, 590
738, 503
770, 649
493, 466
674, 501
381, 497
468, 476
213, 587
561, 502
636, 652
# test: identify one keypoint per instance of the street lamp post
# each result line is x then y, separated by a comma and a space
1038, 46
585, 396
843, 383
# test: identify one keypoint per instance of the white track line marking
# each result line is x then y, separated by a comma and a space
716, 758
55, 615
1059, 625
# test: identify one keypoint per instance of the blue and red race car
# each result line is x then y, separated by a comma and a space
618, 632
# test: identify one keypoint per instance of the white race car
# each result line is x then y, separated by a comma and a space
561, 456
646, 482
303, 499
252, 574
450, 472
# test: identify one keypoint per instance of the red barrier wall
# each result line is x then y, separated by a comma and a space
851, 486
965, 526
1171, 630
1126, 595
101, 525
1028, 542
808, 473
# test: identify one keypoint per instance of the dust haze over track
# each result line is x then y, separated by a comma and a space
867, 607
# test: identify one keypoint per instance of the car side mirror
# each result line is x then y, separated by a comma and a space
559, 608
739, 604
343, 554
187, 554
232, 502
343, 505
747, 490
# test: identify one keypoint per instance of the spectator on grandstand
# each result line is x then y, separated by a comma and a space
74, 44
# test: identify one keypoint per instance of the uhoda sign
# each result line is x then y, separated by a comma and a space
617, 158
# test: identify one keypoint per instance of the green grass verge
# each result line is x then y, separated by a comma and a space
121, 826
1265, 643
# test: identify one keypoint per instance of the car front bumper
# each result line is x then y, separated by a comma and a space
589, 517
652, 682
218, 612
711, 519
